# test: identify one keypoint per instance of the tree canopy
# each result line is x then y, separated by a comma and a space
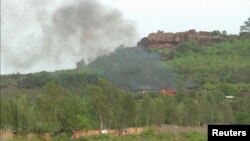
246, 26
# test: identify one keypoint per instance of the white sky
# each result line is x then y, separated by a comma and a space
181, 15
147, 16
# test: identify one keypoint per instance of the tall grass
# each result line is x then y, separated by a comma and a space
147, 135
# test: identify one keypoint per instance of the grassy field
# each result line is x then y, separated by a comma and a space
145, 136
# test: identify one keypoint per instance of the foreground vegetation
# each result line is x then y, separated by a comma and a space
148, 135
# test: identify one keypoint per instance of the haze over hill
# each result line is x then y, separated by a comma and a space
133, 68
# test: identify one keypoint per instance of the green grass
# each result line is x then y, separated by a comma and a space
145, 136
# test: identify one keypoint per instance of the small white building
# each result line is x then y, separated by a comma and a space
104, 131
230, 96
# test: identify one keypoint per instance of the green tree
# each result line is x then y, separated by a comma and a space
226, 111
246, 26
215, 33
242, 110
158, 112
5, 114
129, 109
138, 114
51, 116
22, 107
171, 111
112, 107
99, 103
190, 109
147, 109
76, 113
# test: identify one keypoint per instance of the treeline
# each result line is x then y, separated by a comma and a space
104, 106
66, 78
225, 66
225, 62
55, 109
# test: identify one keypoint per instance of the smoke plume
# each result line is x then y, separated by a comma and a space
55, 34
133, 68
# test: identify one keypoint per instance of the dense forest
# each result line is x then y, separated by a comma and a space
212, 84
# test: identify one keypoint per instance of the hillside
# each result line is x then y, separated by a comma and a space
188, 65
133, 68
211, 81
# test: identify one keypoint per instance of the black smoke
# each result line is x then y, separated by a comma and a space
133, 68
45, 34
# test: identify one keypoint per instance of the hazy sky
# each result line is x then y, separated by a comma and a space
181, 15
31, 29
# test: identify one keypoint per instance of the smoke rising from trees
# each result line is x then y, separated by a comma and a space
45, 34
133, 68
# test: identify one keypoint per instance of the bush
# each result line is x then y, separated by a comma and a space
149, 132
